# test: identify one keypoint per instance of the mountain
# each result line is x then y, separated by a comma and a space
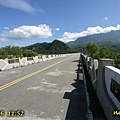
113, 36
56, 47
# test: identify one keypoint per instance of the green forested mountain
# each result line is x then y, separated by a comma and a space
113, 36
110, 40
56, 47
113, 46
96, 52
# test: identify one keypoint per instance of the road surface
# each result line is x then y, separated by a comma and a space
44, 91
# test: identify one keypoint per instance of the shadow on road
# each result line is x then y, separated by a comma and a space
76, 61
77, 105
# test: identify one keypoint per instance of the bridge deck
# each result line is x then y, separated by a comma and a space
52, 93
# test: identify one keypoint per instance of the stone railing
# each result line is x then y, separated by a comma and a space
18, 62
106, 82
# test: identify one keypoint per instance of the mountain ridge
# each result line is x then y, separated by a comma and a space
113, 36
56, 47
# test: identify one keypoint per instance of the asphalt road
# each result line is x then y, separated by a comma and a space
42, 90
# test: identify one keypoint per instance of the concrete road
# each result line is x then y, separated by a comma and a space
42, 90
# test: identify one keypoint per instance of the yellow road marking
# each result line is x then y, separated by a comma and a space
29, 75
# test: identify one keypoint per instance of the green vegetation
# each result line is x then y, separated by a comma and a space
15, 52
95, 52
112, 37
92, 49
103, 45
56, 47
112, 46
29, 53
111, 40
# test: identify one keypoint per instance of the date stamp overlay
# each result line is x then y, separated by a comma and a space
12, 113
21, 113
116, 112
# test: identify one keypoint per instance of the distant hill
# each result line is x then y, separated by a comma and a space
113, 36
56, 47
113, 46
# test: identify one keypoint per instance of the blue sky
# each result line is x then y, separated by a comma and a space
25, 22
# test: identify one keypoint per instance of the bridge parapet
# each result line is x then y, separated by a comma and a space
112, 82
18, 62
106, 81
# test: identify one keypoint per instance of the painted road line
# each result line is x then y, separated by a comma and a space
30, 75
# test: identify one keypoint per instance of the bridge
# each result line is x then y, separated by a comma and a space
59, 87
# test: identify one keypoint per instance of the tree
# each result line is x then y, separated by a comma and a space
5, 52
105, 53
29, 53
117, 61
92, 49
1, 53
16, 51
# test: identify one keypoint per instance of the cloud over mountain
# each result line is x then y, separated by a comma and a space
68, 36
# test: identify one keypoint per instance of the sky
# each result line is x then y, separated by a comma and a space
26, 22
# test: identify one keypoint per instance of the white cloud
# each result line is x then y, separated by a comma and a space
68, 36
106, 18
3, 40
19, 4
6, 28
3, 35
28, 32
57, 29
